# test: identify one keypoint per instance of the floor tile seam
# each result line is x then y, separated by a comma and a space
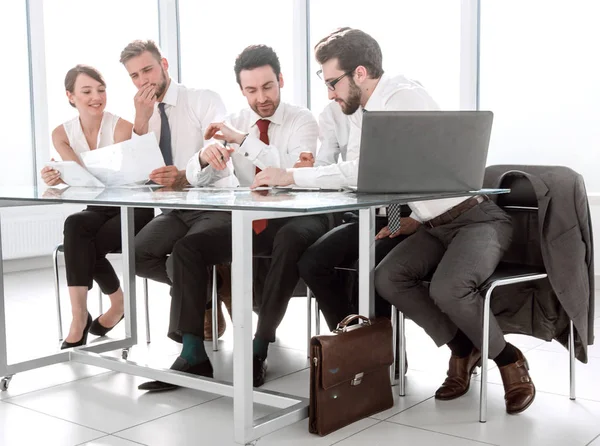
56, 385
106, 436
592, 440
357, 432
410, 407
441, 433
58, 418
115, 433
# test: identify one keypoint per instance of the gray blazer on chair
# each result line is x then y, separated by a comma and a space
564, 237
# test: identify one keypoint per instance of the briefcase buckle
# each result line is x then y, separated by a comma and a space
357, 379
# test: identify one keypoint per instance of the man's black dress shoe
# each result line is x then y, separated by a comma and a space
84, 336
97, 329
259, 370
181, 365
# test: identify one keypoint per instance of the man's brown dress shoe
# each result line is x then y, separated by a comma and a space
459, 373
519, 391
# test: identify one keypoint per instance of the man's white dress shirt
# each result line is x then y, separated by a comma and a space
189, 112
334, 130
391, 93
292, 130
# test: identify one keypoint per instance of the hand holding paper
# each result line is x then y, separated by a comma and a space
126, 162
166, 176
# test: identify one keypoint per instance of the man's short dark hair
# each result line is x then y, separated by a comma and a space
352, 48
256, 56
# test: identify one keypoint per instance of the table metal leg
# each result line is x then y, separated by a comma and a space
3, 341
366, 262
128, 250
241, 297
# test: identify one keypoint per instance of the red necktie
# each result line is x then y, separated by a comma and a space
259, 226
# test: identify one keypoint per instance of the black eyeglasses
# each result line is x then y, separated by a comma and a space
331, 84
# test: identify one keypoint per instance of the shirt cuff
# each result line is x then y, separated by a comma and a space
194, 171
251, 148
305, 177
414, 216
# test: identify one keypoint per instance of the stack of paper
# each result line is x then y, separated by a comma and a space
119, 164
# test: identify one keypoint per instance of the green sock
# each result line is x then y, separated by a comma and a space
260, 347
193, 349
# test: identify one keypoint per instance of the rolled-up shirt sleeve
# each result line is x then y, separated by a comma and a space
198, 176
335, 176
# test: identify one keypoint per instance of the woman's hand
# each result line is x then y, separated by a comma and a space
51, 176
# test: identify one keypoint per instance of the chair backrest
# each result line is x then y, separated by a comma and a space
521, 193
521, 204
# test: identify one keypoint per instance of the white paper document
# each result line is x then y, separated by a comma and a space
74, 175
127, 162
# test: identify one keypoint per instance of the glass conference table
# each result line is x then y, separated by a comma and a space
245, 206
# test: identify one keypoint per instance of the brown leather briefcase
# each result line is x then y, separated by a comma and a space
350, 374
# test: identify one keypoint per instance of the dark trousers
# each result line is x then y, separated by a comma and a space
461, 255
154, 243
284, 240
335, 290
91, 234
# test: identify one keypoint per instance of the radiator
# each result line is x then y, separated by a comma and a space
32, 231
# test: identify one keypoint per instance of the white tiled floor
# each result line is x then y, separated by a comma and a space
74, 404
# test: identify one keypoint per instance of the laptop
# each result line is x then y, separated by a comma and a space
423, 151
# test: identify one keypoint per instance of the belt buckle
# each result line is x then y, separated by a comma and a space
428, 223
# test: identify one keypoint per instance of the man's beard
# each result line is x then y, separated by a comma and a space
350, 105
274, 104
160, 88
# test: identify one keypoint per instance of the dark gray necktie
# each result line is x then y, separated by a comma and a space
165, 136
393, 212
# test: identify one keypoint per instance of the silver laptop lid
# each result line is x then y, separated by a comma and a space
423, 151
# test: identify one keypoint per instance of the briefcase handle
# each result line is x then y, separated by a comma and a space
343, 325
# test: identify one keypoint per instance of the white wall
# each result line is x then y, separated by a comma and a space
540, 76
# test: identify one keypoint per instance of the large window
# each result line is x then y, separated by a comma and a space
213, 34
540, 75
419, 39
15, 116
94, 33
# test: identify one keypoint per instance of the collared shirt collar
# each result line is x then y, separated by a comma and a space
171, 94
376, 101
276, 118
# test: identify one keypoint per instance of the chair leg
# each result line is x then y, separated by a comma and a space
100, 309
57, 294
317, 317
147, 305
485, 347
308, 321
402, 358
394, 317
572, 360
215, 318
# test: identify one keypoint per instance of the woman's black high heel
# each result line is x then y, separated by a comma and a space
84, 336
97, 329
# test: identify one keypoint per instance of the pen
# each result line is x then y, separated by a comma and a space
224, 146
